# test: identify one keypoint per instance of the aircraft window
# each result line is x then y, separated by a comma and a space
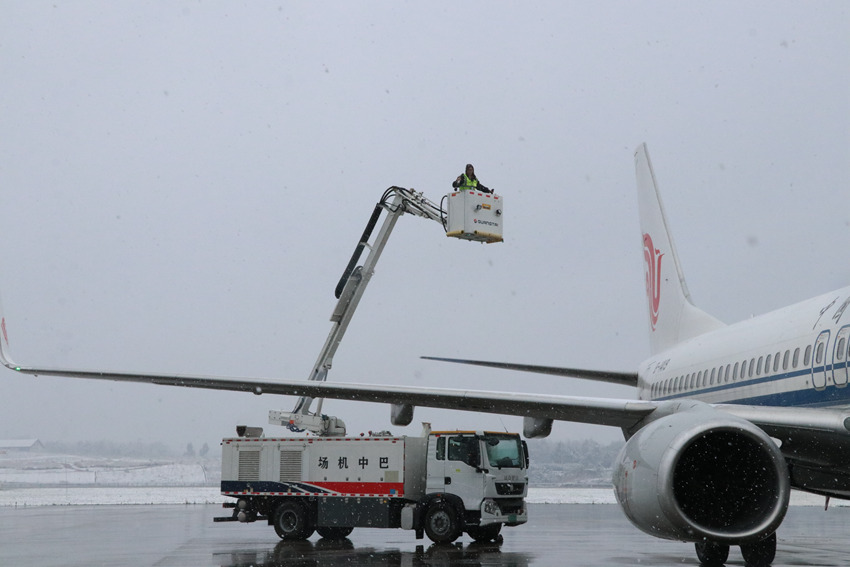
713, 370
677, 384
728, 368
752, 367
808, 356
735, 372
700, 383
743, 370
767, 364
693, 380
776, 362
758, 368
819, 354
839, 350
796, 357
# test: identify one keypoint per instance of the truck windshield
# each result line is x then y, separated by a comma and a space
503, 450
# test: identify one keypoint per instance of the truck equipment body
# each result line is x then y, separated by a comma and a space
442, 484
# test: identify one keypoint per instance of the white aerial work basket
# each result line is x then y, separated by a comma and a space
473, 215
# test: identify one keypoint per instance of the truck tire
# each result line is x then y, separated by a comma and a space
484, 533
291, 522
441, 523
334, 532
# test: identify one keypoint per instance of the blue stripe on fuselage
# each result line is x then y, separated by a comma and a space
831, 395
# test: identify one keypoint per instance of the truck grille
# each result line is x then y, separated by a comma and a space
511, 505
509, 488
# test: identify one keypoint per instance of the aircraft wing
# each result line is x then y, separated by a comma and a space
624, 378
802, 431
601, 411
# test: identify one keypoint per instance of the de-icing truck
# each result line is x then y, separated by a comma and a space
442, 484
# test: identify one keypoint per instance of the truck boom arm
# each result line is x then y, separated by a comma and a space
396, 201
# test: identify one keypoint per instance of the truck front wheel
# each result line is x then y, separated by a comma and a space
334, 532
291, 522
485, 533
441, 523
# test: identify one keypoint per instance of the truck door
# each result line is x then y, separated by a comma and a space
463, 474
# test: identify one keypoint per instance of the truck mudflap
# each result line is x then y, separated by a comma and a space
508, 512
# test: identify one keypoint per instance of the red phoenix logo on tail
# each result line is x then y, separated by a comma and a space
652, 257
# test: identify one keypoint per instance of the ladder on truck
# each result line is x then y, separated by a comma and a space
470, 215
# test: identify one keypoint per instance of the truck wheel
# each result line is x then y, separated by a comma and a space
291, 521
334, 532
484, 533
441, 523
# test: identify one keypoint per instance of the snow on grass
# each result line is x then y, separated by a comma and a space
107, 496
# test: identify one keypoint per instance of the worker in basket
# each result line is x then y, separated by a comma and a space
467, 181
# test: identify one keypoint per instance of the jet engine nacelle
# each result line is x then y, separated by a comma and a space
702, 474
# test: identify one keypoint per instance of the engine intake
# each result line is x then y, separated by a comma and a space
701, 474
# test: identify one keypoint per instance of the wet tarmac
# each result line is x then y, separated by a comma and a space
557, 534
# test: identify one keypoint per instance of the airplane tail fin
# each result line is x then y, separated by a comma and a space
672, 316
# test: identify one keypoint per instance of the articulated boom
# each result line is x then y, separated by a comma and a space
396, 201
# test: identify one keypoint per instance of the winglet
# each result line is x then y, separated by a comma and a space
672, 316
4, 343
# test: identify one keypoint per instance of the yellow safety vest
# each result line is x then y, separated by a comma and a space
468, 184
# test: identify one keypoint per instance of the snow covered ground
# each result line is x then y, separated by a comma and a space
66, 480
46, 469
104, 496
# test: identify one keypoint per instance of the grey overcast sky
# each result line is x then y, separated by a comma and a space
182, 183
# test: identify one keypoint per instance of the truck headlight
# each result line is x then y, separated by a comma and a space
490, 507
